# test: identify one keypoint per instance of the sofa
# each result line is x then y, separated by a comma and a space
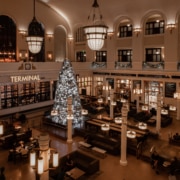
84, 161
109, 144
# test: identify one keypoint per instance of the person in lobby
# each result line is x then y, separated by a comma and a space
69, 163
2, 176
156, 161
61, 174
174, 166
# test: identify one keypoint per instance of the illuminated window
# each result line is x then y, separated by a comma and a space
155, 27
125, 31
125, 55
153, 55
101, 56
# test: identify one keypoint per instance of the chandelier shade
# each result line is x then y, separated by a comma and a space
34, 43
35, 36
95, 36
96, 30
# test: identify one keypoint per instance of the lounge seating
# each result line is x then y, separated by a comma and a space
165, 121
175, 139
111, 145
87, 163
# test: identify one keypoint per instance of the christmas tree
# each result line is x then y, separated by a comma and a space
66, 88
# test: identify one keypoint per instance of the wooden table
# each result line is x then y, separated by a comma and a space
75, 173
99, 151
84, 145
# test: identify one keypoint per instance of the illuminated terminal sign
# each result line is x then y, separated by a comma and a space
25, 78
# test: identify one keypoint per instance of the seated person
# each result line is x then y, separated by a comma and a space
61, 174
176, 136
69, 163
156, 161
174, 165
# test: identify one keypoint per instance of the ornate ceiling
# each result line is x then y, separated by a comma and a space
76, 11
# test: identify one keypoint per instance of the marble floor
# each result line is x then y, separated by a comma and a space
110, 168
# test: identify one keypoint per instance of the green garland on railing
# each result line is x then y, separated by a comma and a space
158, 65
98, 64
123, 65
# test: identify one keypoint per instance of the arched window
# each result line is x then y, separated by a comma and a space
7, 39
60, 44
154, 25
125, 29
80, 36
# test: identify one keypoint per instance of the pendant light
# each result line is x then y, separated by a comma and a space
96, 30
34, 38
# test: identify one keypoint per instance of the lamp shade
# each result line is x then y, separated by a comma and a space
118, 120
34, 43
131, 134
142, 125
84, 111
35, 35
105, 127
70, 116
1, 129
100, 100
95, 36
54, 112
32, 158
40, 168
95, 31
55, 159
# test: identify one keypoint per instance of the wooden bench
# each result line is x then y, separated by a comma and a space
98, 151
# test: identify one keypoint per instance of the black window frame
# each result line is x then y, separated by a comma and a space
81, 56
155, 27
101, 56
153, 55
125, 55
125, 31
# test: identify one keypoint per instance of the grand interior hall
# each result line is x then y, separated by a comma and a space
97, 80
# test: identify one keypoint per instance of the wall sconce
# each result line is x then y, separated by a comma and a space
23, 55
49, 55
110, 34
70, 39
170, 27
137, 31
23, 33
49, 36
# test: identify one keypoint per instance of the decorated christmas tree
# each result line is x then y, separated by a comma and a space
66, 88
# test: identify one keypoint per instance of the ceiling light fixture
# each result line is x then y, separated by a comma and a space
96, 30
34, 38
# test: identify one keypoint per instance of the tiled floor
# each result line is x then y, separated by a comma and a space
110, 168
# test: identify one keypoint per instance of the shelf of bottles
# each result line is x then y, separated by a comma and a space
24, 94
123, 89
84, 85
152, 89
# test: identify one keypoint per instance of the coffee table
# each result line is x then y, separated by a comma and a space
75, 173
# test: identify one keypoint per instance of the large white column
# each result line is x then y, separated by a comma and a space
123, 160
44, 153
178, 109
158, 119
111, 106
69, 131
69, 120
